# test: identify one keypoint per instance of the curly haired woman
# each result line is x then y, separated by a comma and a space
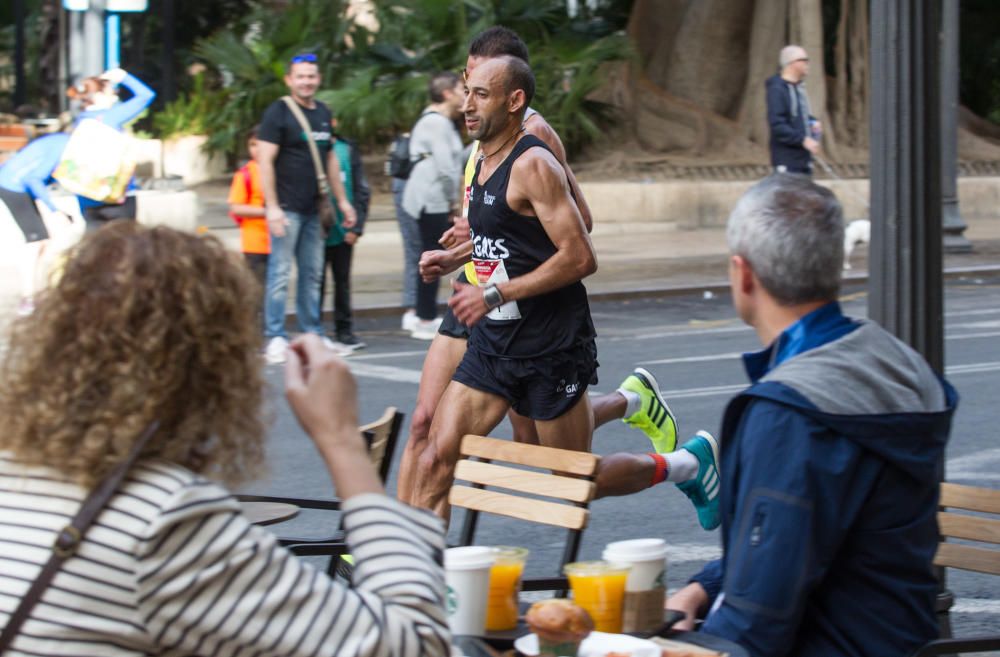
152, 324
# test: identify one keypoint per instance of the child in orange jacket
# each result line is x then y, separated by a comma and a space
246, 207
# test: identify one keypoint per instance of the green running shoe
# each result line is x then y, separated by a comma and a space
703, 490
654, 416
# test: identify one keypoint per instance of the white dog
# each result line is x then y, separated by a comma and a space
857, 231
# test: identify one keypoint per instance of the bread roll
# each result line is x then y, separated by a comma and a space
559, 621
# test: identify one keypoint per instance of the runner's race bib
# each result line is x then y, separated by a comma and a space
491, 272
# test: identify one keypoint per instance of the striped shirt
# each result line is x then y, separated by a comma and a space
172, 567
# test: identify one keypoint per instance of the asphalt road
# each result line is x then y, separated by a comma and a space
692, 345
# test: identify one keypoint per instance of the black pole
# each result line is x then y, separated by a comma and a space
954, 227
905, 286
168, 81
20, 90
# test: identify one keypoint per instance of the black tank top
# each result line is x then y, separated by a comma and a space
507, 245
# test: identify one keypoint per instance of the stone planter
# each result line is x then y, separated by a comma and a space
184, 157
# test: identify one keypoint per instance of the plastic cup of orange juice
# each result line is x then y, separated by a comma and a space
505, 585
599, 587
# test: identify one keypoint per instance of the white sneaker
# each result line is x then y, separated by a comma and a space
276, 348
341, 350
425, 329
410, 320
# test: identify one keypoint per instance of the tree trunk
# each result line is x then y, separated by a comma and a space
699, 87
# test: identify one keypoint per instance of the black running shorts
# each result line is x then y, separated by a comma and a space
22, 207
542, 388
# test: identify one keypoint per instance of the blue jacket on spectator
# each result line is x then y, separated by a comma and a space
788, 116
829, 495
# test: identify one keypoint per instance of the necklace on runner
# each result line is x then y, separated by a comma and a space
483, 156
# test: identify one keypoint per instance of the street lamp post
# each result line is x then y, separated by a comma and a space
954, 227
905, 284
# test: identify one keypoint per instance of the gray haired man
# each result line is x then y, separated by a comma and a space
794, 130
828, 459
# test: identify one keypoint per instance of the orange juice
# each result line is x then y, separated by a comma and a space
501, 609
599, 587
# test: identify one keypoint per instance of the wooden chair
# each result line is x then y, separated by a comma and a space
381, 436
502, 484
979, 552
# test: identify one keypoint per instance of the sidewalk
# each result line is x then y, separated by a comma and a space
650, 258
634, 257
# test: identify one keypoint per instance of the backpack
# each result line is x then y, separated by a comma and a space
399, 165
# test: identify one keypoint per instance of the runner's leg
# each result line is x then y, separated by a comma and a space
442, 359
463, 410
571, 430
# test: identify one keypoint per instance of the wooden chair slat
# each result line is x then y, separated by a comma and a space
971, 498
551, 458
967, 557
973, 528
525, 481
512, 506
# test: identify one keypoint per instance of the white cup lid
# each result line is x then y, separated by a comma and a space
639, 549
470, 557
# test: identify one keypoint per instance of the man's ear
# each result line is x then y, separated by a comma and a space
744, 274
515, 101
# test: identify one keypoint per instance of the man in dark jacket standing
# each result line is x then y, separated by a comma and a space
828, 461
794, 130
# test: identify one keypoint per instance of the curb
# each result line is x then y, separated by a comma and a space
717, 286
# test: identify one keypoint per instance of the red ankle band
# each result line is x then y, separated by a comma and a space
660, 474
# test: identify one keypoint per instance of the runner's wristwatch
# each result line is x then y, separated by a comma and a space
492, 297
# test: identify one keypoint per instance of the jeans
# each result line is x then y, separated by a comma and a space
338, 259
432, 227
410, 231
304, 238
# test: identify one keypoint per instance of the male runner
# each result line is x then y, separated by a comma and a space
638, 400
531, 344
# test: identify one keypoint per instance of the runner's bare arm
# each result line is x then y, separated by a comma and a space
267, 153
538, 186
435, 264
538, 126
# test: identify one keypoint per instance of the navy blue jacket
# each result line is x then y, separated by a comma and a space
787, 128
829, 495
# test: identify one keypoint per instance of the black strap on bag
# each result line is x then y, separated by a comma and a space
69, 537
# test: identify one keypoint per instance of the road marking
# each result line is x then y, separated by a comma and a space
384, 372
976, 606
389, 354
977, 465
969, 336
683, 552
694, 359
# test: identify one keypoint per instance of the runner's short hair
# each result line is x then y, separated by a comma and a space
497, 41
440, 83
519, 76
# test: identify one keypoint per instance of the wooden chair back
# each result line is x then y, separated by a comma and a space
983, 530
972, 515
528, 482
384, 434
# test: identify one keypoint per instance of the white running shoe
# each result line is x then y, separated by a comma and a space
410, 320
275, 352
426, 329
341, 350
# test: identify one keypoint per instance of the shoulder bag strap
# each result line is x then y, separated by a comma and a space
69, 537
321, 181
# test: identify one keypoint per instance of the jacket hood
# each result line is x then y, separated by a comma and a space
874, 389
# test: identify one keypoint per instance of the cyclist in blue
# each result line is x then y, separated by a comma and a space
99, 100
24, 178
